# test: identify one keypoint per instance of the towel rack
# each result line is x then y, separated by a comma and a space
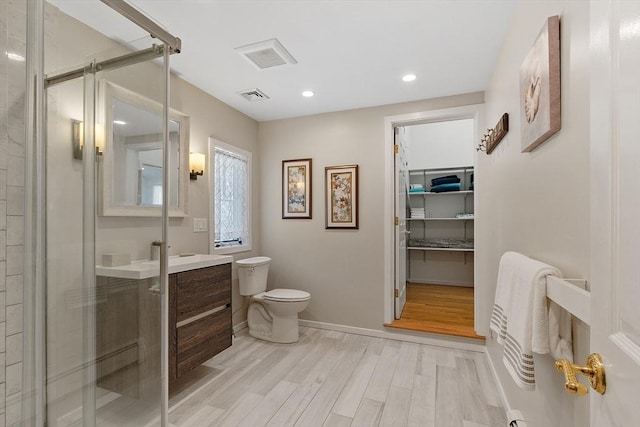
573, 297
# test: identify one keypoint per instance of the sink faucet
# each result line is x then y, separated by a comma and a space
155, 250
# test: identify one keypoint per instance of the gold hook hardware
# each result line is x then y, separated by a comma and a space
594, 371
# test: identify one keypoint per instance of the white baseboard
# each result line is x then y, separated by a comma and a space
441, 282
496, 379
457, 343
240, 326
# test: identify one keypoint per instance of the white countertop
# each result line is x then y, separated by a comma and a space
144, 269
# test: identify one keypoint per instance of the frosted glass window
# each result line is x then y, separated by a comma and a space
231, 201
157, 194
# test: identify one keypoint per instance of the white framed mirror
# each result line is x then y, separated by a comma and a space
131, 176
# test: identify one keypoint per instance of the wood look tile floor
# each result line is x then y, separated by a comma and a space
438, 309
337, 379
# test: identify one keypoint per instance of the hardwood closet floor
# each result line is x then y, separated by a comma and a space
438, 309
336, 379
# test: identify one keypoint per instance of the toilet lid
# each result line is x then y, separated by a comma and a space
256, 261
286, 295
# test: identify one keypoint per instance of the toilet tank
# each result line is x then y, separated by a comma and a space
252, 275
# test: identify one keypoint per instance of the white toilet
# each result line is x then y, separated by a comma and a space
272, 315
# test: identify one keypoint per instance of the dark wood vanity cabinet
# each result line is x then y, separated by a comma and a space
128, 346
199, 317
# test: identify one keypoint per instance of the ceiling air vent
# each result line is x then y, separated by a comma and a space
253, 95
266, 54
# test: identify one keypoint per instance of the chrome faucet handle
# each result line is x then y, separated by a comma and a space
156, 246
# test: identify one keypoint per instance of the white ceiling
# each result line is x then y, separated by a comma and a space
351, 53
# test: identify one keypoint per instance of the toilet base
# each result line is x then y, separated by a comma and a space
264, 326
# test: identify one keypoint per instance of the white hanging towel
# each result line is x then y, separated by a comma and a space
524, 320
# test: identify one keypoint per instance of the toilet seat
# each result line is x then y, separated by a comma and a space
286, 295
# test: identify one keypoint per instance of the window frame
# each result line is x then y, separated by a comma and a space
246, 246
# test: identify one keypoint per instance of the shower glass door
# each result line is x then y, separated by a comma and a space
106, 301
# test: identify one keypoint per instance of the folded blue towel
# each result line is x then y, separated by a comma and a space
416, 190
449, 179
445, 187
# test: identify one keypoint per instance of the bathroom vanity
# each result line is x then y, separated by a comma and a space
127, 315
199, 316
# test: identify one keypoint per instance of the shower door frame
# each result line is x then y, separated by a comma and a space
34, 410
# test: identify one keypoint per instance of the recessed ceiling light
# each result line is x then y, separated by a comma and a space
308, 93
408, 77
14, 56
119, 122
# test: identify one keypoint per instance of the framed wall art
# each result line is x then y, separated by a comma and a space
540, 87
341, 188
296, 188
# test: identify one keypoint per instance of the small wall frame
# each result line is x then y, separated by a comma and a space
296, 189
341, 194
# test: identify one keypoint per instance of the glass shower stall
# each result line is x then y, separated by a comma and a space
100, 168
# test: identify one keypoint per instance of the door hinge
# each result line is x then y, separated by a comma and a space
396, 220
395, 293
396, 149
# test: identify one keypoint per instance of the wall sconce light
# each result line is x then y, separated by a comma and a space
77, 138
196, 164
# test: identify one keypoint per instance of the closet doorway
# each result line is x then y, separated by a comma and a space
434, 200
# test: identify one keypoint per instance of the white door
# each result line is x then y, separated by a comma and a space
615, 208
401, 190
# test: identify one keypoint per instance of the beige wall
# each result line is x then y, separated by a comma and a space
211, 118
342, 269
538, 203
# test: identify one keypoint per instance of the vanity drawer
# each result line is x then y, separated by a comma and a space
202, 339
201, 290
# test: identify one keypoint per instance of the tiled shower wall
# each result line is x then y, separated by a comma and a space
12, 156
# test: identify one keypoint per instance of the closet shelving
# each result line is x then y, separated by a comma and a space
447, 226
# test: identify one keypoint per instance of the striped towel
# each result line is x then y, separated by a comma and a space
520, 317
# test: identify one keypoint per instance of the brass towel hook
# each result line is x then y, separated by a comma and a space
594, 370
